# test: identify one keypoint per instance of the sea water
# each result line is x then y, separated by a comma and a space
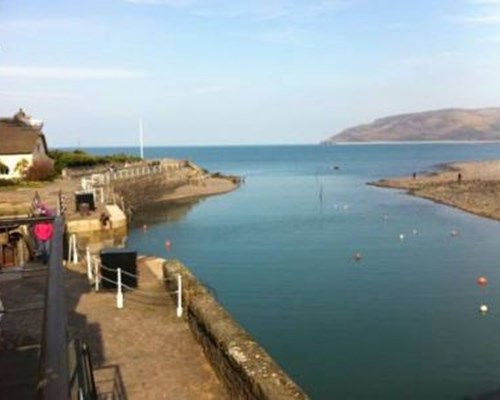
401, 323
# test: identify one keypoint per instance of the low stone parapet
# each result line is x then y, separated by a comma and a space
245, 368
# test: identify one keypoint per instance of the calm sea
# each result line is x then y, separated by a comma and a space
402, 323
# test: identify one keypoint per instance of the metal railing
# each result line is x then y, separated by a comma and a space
54, 373
96, 180
54, 368
94, 274
82, 384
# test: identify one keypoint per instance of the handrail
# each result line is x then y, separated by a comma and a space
23, 220
54, 372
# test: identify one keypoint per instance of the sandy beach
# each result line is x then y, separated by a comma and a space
471, 186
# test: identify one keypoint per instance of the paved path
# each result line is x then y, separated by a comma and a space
153, 351
23, 297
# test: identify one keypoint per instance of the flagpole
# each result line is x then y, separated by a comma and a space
141, 139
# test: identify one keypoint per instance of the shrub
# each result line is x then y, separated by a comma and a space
41, 170
8, 182
22, 167
79, 159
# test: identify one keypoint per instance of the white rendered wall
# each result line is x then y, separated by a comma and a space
11, 161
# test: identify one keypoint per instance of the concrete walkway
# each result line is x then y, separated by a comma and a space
22, 296
144, 350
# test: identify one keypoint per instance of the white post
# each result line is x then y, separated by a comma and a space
96, 274
179, 295
119, 293
74, 252
70, 248
89, 263
102, 195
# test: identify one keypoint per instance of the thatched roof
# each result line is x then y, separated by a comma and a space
19, 139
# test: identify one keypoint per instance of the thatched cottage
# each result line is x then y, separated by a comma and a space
22, 143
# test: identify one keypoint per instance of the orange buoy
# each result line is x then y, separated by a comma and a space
482, 281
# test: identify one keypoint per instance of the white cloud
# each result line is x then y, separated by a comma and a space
259, 10
485, 2
171, 3
45, 95
68, 73
490, 39
209, 90
42, 24
480, 19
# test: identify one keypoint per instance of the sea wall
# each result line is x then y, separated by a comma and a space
177, 181
141, 191
245, 368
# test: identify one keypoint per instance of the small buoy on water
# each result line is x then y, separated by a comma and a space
401, 237
357, 256
144, 227
483, 309
346, 207
168, 244
482, 281
453, 232
415, 231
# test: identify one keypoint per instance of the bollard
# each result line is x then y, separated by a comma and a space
119, 293
74, 252
70, 248
89, 263
96, 274
179, 295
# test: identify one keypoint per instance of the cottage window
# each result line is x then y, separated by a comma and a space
4, 170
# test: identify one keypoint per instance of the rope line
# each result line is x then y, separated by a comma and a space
135, 275
140, 291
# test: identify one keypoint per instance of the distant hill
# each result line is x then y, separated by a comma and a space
438, 125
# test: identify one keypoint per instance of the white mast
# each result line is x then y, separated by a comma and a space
141, 139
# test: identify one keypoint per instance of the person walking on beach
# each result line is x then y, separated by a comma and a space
43, 231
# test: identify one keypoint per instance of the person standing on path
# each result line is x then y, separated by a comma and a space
43, 232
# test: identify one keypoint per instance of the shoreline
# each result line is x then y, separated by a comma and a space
473, 187
210, 187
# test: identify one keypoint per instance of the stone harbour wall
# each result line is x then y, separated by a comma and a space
244, 367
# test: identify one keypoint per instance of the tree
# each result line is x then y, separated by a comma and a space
22, 167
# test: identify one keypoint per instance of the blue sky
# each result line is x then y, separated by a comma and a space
207, 72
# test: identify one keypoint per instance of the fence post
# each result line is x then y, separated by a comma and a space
179, 295
89, 263
119, 293
70, 248
96, 274
103, 200
74, 250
